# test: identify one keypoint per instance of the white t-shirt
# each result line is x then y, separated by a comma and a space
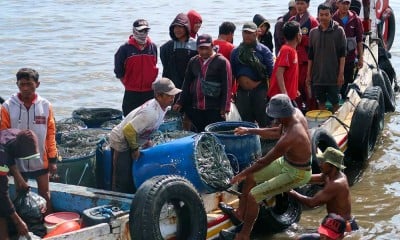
145, 120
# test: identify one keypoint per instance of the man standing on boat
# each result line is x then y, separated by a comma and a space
353, 29
252, 65
287, 165
278, 34
326, 59
336, 192
285, 75
28, 110
306, 101
207, 86
135, 64
133, 133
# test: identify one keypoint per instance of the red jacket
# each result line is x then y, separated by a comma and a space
136, 68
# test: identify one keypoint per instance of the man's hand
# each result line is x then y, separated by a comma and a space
52, 168
21, 226
238, 178
241, 131
176, 107
360, 63
135, 154
340, 79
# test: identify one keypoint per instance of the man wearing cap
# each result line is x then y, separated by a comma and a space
135, 64
353, 29
16, 148
336, 192
206, 90
134, 132
252, 65
287, 165
333, 227
278, 34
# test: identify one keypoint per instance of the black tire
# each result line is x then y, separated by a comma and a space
279, 217
375, 93
321, 139
390, 106
177, 192
391, 22
364, 130
379, 79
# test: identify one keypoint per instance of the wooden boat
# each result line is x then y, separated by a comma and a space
171, 207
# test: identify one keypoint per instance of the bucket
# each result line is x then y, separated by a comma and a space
103, 165
316, 117
51, 221
246, 148
199, 158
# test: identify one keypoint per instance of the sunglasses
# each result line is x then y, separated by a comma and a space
146, 30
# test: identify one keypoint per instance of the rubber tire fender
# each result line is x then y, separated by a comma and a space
391, 21
379, 79
279, 217
321, 139
364, 130
153, 194
375, 93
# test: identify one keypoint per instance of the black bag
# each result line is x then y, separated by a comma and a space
30, 207
210, 89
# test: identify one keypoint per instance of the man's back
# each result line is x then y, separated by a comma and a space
340, 203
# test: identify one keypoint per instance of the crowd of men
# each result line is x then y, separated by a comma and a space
202, 77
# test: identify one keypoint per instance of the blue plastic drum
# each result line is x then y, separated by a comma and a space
245, 148
199, 158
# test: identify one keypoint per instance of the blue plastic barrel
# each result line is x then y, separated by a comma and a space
103, 165
246, 148
179, 157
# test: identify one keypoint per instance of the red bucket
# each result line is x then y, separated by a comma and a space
55, 219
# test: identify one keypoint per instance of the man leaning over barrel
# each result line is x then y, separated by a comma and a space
287, 165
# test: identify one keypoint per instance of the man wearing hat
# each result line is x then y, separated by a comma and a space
333, 227
278, 34
252, 65
336, 192
135, 64
287, 165
17, 147
353, 29
206, 90
133, 133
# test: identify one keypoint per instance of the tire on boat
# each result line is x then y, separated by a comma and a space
282, 215
173, 192
380, 79
375, 93
321, 139
390, 21
364, 130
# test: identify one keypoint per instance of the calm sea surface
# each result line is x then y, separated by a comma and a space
72, 44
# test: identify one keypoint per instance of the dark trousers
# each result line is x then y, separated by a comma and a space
252, 104
348, 77
133, 100
123, 173
201, 118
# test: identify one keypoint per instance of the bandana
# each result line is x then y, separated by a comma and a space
140, 37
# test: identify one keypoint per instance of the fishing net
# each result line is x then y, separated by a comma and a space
78, 144
110, 124
160, 137
212, 162
69, 124
172, 121
94, 117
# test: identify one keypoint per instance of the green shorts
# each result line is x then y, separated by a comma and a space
278, 177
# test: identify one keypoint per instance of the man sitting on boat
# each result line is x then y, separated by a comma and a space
336, 192
287, 165
134, 132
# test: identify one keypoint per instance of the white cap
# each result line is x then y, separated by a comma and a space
292, 3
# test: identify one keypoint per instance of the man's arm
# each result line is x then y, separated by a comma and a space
267, 133
322, 197
281, 80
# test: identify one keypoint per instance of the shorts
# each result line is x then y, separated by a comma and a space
278, 177
35, 174
351, 225
323, 93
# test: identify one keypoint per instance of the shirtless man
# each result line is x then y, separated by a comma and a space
336, 192
287, 165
